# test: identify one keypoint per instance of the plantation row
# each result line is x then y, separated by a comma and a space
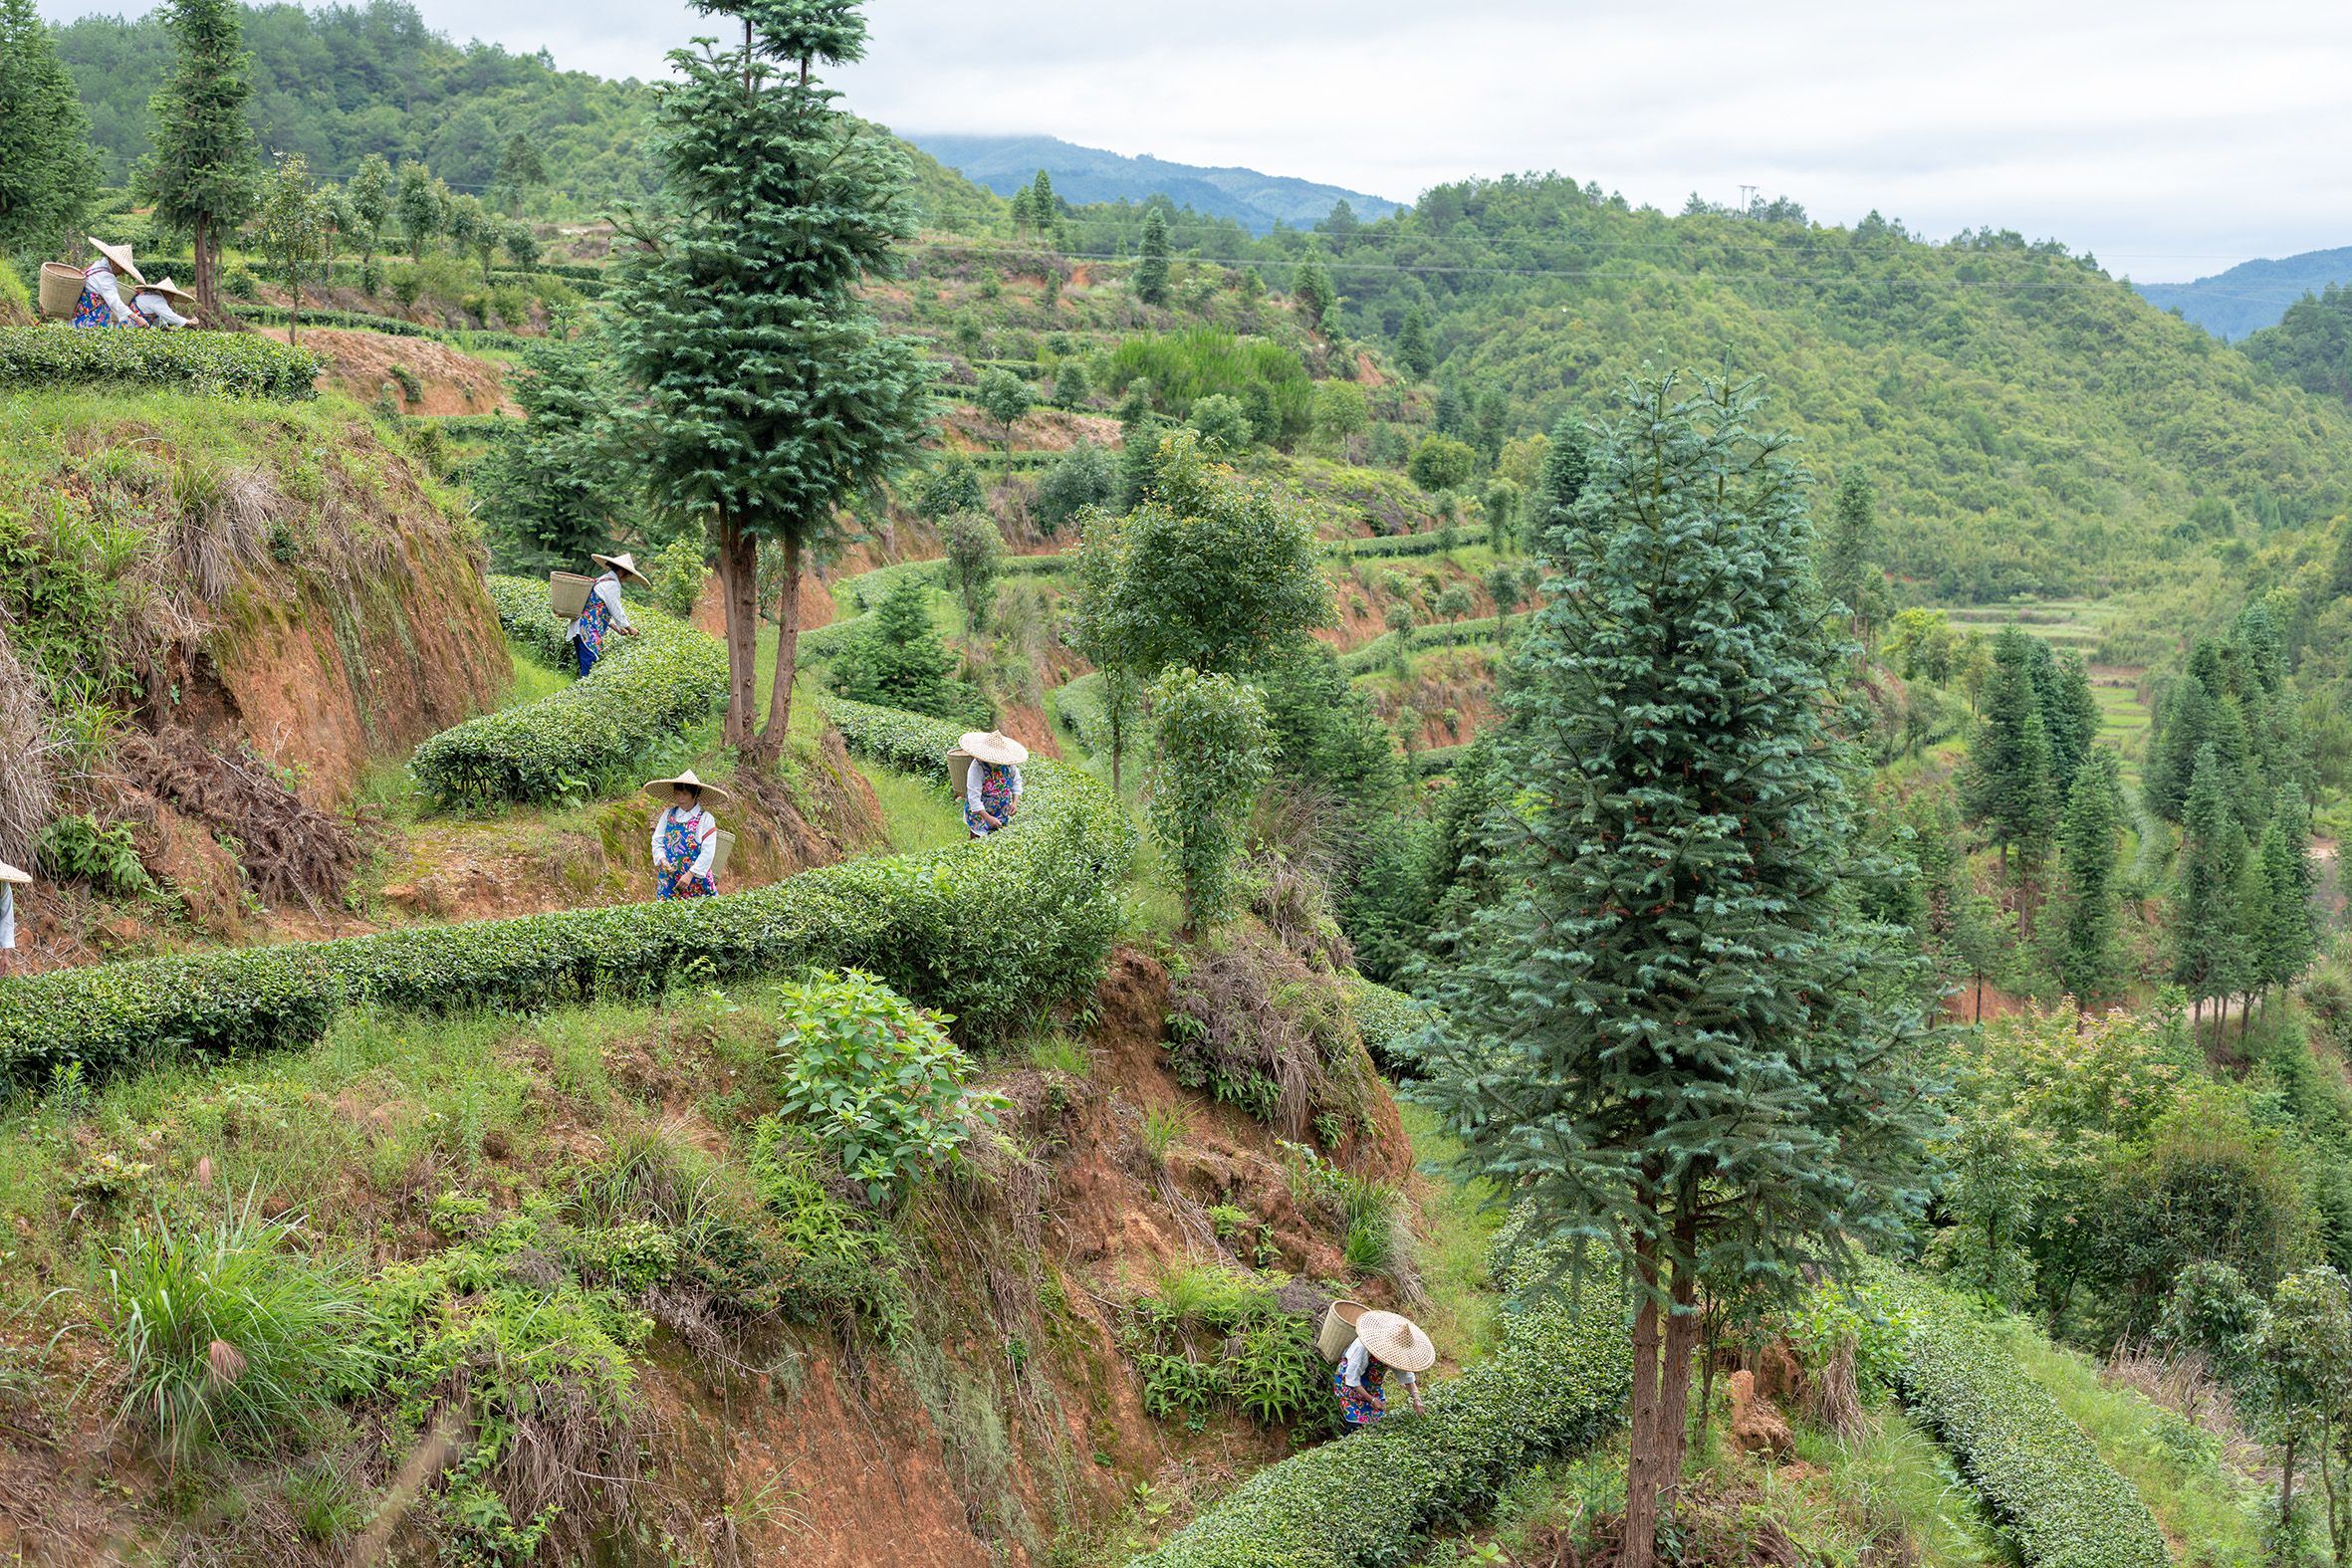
1049, 885
1560, 1384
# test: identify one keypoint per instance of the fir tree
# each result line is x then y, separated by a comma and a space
1567, 464
2071, 714
47, 170
520, 168
2210, 957
1850, 574
2289, 936
1663, 1036
900, 662
1043, 209
200, 176
2087, 967
1151, 273
771, 398
2184, 723
1412, 346
1310, 285
1451, 410
558, 491
2006, 782
1139, 449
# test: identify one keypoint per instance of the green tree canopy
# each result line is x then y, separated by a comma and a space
48, 170
1442, 463
1666, 1036
1412, 346
1214, 573
1151, 274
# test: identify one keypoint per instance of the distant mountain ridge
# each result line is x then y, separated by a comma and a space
2252, 295
1084, 174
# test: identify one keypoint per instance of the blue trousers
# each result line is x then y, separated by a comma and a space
587, 656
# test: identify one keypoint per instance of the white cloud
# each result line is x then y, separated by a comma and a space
2172, 139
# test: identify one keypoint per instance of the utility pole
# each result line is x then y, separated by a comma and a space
1747, 199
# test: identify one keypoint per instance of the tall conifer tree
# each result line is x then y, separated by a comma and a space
771, 396
1151, 274
2094, 818
200, 176
2210, 957
1664, 1036
2007, 783
1849, 559
47, 170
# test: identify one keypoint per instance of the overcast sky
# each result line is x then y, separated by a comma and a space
2170, 138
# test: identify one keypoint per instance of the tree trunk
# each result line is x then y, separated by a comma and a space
204, 269
1639, 1546
739, 581
787, 655
2286, 1486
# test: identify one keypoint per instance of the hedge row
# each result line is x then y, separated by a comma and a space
1399, 544
279, 316
984, 932
237, 364
643, 689
2036, 1468
476, 427
1559, 1382
1079, 705
1372, 655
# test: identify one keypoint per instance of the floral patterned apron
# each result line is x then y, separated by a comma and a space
681, 846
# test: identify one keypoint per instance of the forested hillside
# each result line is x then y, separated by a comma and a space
341, 83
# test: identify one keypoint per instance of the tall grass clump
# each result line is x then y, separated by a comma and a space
224, 1337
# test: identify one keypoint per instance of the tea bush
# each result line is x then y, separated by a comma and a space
234, 365
986, 932
1387, 1020
645, 689
2036, 1468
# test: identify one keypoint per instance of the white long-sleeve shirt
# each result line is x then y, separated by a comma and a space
157, 309
972, 776
101, 283
686, 815
7, 915
607, 588
1358, 1357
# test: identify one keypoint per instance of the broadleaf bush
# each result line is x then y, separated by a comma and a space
235, 365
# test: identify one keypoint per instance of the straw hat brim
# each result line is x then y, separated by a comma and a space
712, 794
171, 290
1396, 1341
9, 873
994, 746
627, 566
120, 255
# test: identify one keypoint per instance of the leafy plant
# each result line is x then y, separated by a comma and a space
1163, 1127
80, 848
876, 1081
214, 365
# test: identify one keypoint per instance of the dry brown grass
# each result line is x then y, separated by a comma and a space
28, 792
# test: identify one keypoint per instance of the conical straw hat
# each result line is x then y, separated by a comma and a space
171, 290
627, 566
711, 793
120, 255
993, 746
9, 873
1396, 1341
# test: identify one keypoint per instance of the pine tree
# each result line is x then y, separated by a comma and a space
2071, 716
200, 176
769, 395
1451, 410
1151, 273
900, 662
1021, 213
520, 167
2185, 722
1662, 1036
2290, 934
1412, 346
2094, 819
48, 170
1042, 208
558, 491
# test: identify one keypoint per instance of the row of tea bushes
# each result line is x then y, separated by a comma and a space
2038, 1471
234, 365
984, 932
643, 690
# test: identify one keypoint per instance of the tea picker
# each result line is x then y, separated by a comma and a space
689, 851
985, 768
598, 611
10, 876
1378, 1344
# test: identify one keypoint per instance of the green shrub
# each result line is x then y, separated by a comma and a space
1388, 1018
240, 364
1210, 1335
643, 690
389, 326
2037, 1470
876, 1081
1559, 1382
225, 1337
984, 931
